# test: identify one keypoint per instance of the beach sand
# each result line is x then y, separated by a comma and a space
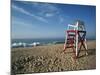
51, 59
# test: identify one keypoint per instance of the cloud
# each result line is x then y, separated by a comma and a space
21, 10
28, 13
49, 15
46, 9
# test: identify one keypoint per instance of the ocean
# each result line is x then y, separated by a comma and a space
15, 43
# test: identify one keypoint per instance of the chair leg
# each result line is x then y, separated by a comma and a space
85, 47
64, 48
80, 46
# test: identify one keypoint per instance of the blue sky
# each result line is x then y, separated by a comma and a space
49, 20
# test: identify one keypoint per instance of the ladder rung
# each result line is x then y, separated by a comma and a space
70, 38
71, 34
70, 42
69, 46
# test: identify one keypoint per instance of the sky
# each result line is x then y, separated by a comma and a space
49, 20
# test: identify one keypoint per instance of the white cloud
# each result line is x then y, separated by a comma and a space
46, 9
21, 10
49, 14
28, 13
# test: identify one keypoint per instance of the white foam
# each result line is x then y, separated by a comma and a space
22, 44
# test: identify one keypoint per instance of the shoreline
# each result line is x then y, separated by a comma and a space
48, 44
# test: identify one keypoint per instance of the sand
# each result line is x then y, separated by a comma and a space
50, 58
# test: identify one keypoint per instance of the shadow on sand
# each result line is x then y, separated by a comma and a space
90, 52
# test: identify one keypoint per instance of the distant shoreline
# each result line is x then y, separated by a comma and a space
49, 44
31, 42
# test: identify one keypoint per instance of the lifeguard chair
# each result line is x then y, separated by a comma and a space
76, 38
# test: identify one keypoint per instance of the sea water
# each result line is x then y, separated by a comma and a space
35, 42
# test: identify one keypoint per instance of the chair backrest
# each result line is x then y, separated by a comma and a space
72, 27
79, 25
